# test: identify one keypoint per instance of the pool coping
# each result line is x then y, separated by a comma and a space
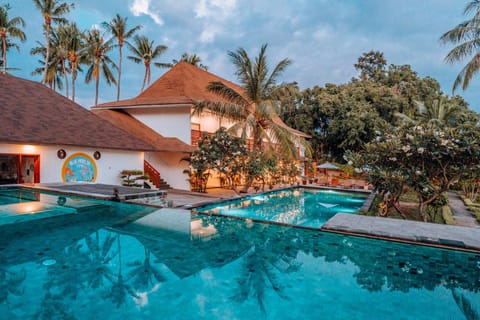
365, 206
406, 231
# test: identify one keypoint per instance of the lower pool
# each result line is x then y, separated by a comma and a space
306, 207
121, 261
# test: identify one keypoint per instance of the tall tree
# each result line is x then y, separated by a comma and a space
9, 28
98, 60
371, 65
52, 10
74, 41
466, 37
54, 72
118, 28
144, 51
192, 59
253, 111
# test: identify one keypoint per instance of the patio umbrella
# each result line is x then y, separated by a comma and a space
328, 166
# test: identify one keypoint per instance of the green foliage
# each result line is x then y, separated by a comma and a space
427, 159
130, 178
448, 216
220, 152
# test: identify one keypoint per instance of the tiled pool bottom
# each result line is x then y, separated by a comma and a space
303, 207
171, 265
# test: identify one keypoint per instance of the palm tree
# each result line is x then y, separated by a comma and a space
74, 44
440, 111
118, 28
98, 60
144, 51
466, 37
254, 110
54, 73
9, 28
52, 10
192, 59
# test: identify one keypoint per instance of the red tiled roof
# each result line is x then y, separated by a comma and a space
34, 114
184, 84
143, 132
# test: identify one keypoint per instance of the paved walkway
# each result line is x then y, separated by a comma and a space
441, 235
461, 214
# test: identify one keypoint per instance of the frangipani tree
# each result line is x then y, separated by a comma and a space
428, 159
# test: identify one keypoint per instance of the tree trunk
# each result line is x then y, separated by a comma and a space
47, 53
74, 76
97, 80
64, 70
119, 72
4, 46
144, 79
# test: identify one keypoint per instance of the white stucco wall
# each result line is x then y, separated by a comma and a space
171, 168
168, 121
108, 166
210, 123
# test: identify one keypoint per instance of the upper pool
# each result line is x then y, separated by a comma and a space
306, 207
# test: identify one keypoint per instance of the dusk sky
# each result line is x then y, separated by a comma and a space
323, 38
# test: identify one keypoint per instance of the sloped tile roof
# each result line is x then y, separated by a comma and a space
184, 84
143, 132
34, 114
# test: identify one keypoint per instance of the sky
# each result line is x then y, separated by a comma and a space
323, 38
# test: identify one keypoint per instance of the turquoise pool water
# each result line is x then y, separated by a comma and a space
120, 261
298, 206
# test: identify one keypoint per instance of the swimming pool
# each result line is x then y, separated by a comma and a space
306, 207
124, 261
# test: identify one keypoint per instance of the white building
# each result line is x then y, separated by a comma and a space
47, 138
165, 109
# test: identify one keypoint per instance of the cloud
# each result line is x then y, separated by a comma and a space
215, 13
139, 7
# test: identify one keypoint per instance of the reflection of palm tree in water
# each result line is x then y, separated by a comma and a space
144, 275
100, 257
262, 263
120, 288
465, 306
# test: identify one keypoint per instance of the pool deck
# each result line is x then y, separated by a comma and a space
438, 235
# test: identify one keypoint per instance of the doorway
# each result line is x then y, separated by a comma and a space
18, 168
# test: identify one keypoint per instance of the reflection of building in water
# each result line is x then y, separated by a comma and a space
186, 244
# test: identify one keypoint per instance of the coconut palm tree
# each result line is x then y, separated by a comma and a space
192, 59
466, 37
254, 109
54, 72
118, 28
52, 10
74, 43
98, 60
144, 51
9, 28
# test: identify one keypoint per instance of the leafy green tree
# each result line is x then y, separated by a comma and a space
145, 52
9, 29
98, 60
253, 111
52, 10
465, 36
371, 66
118, 28
427, 158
